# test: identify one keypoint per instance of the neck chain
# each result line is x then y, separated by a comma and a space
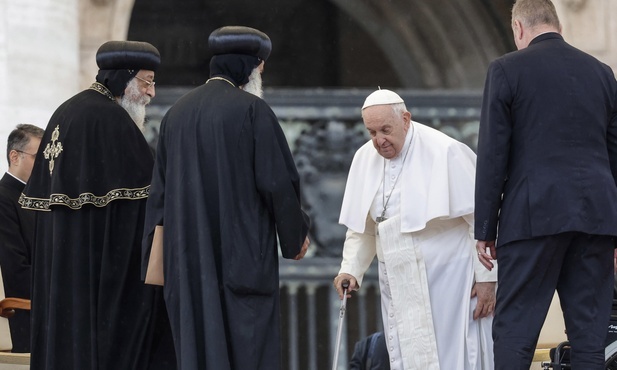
385, 201
101, 89
221, 79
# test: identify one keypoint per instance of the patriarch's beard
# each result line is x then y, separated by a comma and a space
134, 102
254, 86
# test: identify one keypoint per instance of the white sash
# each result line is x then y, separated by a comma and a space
410, 296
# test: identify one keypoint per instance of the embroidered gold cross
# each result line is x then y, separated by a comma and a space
53, 149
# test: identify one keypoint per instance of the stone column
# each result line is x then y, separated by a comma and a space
101, 21
591, 26
39, 61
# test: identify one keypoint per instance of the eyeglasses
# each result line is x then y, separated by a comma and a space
148, 83
21, 151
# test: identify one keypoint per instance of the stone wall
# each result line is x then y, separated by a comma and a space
39, 64
591, 25
47, 48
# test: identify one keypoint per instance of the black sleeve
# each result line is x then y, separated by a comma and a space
277, 180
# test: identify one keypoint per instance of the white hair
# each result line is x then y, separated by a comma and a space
134, 102
399, 109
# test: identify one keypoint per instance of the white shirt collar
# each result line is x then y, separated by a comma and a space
17, 178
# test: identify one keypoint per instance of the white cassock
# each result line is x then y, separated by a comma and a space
426, 251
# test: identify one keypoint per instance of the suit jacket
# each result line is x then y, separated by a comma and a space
547, 146
16, 232
370, 353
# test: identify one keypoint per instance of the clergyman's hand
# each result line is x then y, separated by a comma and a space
486, 299
484, 256
338, 284
300, 255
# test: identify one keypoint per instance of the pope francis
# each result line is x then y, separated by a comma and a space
409, 201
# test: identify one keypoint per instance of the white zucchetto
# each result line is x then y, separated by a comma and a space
382, 97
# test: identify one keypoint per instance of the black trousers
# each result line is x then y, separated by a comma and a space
580, 267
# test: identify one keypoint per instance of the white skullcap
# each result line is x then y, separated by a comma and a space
382, 97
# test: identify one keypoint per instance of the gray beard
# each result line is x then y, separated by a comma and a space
134, 102
254, 86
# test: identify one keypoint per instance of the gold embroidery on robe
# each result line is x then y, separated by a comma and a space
101, 89
39, 204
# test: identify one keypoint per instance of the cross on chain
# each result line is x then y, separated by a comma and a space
53, 149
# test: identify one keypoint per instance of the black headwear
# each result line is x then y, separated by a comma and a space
119, 62
240, 40
237, 51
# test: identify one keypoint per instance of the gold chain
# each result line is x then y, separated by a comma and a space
222, 79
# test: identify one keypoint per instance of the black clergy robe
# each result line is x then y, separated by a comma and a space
224, 186
16, 232
90, 309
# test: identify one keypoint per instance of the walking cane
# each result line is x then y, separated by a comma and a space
341, 316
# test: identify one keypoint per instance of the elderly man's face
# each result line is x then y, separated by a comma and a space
142, 87
386, 128
138, 93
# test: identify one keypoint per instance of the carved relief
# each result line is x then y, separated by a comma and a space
575, 5
323, 156
101, 2
586, 25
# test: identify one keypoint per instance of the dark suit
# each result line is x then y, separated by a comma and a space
546, 170
370, 353
16, 231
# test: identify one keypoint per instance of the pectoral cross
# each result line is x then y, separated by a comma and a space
381, 219
53, 149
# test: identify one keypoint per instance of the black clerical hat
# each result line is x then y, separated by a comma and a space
133, 55
240, 40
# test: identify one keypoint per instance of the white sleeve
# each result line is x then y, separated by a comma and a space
359, 251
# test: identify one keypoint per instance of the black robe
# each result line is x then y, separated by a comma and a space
16, 232
224, 186
90, 309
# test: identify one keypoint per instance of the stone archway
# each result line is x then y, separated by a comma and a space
436, 43
337, 43
428, 43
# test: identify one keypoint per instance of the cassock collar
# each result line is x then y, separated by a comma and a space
546, 36
15, 177
12, 182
